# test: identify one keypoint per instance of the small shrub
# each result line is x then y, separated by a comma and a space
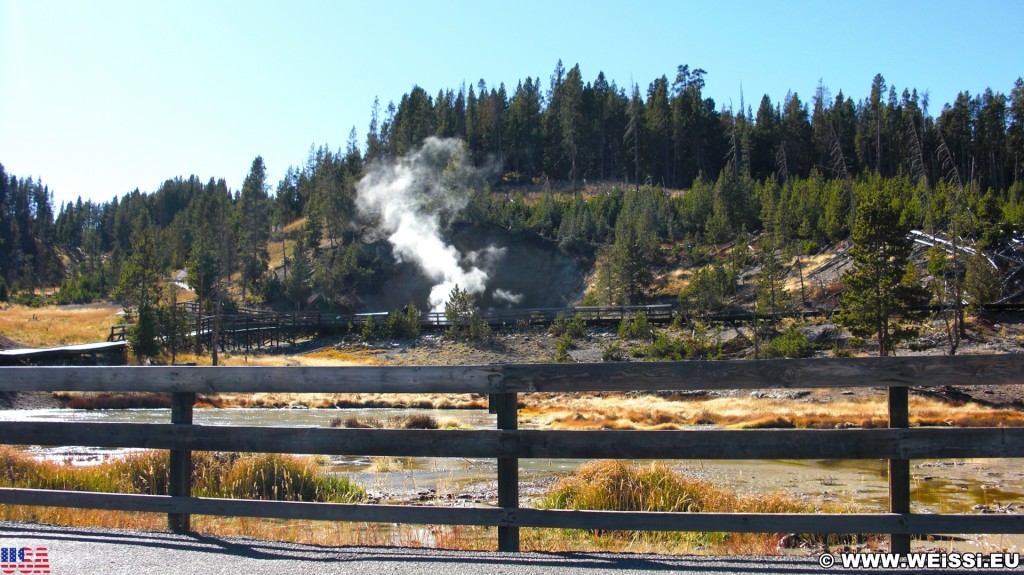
559, 325
562, 325
612, 351
369, 331
28, 299
562, 347
637, 327
404, 323
793, 343
667, 349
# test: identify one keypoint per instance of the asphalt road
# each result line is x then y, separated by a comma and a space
112, 552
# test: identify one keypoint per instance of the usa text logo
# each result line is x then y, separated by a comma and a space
24, 560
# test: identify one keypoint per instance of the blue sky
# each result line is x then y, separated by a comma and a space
100, 97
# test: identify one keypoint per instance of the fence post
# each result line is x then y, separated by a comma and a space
899, 469
505, 405
181, 462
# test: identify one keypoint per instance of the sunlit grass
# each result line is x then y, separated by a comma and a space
249, 476
326, 357
619, 486
650, 412
51, 326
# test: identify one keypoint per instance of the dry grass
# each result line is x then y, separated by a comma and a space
672, 283
811, 264
327, 357
50, 326
619, 486
609, 411
104, 400
415, 421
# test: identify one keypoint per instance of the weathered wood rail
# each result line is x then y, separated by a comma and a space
503, 383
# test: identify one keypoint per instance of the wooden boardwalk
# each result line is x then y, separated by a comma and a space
252, 328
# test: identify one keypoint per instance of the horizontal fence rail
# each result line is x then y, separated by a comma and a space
880, 372
503, 383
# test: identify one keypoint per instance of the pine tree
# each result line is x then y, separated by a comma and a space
464, 317
632, 256
878, 288
254, 227
296, 287
139, 288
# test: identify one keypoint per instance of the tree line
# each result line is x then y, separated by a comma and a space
671, 134
794, 170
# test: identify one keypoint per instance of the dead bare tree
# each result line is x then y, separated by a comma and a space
955, 326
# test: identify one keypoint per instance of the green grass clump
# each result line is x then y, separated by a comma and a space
230, 475
285, 478
619, 486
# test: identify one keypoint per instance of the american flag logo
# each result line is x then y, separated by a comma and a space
24, 560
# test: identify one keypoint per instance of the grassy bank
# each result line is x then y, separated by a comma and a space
620, 486
51, 325
599, 485
229, 475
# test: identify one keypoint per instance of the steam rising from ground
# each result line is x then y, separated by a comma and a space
411, 196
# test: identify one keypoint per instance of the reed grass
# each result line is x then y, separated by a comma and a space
619, 486
228, 475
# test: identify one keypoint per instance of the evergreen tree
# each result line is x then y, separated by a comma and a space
139, 289
254, 227
463, 316
1015, 132
204, 273
173, 323
632, 256
296, 287
631, 137
878, 291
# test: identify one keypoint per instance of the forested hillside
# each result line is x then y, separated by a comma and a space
627, 175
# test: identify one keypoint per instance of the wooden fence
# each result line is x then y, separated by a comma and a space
504, 383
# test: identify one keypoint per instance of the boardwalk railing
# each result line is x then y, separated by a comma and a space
507, 444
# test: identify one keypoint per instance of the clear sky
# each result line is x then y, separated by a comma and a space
100, 97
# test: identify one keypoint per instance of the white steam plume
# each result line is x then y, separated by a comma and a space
410, 196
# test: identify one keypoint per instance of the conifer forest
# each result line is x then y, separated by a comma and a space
621, 179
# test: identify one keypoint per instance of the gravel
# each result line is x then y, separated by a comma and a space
74, 550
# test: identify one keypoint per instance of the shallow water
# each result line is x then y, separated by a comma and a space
946, 486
